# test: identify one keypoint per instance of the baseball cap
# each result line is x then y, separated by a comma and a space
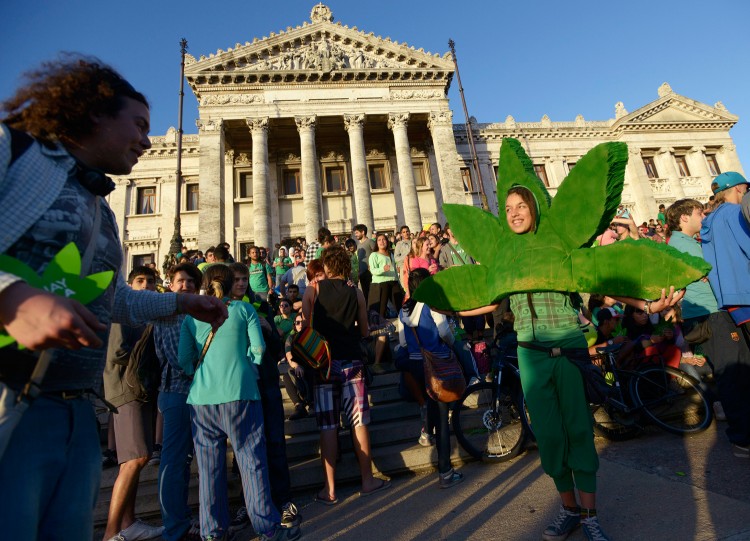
727, 180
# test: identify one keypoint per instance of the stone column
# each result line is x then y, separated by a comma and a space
440, 125
637, 180
261, 203
211, 185
313, 204
354, 125
728, 160
696, 161
397, 123
667, 168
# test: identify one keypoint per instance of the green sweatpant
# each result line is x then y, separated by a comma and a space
560, 416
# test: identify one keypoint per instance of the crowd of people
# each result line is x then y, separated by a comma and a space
209, 342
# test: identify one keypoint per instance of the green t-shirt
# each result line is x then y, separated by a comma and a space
459, 256
258, 277
282, 265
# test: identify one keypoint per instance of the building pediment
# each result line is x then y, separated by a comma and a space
317, 51
674, 110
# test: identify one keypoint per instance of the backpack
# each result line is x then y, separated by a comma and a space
143, 373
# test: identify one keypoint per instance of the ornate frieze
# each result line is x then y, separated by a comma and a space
376, 154
243, 158
209, 125
416, 94
231, 99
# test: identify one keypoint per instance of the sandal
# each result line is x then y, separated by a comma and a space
383, 485
325, 500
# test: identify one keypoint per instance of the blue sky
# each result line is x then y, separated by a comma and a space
524, 59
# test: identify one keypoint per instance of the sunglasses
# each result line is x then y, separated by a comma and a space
297, 323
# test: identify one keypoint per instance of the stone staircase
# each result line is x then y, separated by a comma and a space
394, 430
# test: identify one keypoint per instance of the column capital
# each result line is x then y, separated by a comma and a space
356, 120
209, 125
634, 151
695, 149
397, 120
256, 124
440, 118
306, 122
665, 150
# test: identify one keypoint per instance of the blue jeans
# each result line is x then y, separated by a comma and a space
174, 469
465, 359
50, 473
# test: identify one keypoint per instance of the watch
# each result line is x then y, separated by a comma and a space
610, 342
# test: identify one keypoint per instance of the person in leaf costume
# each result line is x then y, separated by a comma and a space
538, 255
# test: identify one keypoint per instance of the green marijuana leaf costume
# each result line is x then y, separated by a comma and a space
557, 256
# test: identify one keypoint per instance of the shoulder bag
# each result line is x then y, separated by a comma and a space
310, 346
443, 377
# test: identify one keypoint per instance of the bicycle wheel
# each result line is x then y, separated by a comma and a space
671, 399
488, 424
608, 424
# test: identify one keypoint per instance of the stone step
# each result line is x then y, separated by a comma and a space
307, 473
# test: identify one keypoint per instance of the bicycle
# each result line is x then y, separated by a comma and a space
490, 420
666, 396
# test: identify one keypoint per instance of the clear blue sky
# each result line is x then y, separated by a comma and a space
524, 59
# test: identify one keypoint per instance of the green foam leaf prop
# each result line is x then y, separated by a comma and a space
557, 256
62, 276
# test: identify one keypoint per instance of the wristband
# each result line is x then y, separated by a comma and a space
647, 307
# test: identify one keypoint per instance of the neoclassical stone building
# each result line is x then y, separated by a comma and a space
323, 124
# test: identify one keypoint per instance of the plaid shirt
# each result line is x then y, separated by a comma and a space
167, 340
312, 248
555, 316
67, 217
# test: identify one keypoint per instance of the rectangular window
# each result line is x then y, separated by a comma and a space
466, 179
713, 165
291, 182
650, 166
146, 200
420, 180
191, 196
541, 173
245, 188
335, 179
377, 177
142, 260
682, 167
571, 165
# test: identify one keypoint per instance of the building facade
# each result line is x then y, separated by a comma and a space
326, 125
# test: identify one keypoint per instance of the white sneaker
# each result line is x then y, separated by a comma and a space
139, 531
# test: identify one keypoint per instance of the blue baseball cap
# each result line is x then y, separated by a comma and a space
727, 180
